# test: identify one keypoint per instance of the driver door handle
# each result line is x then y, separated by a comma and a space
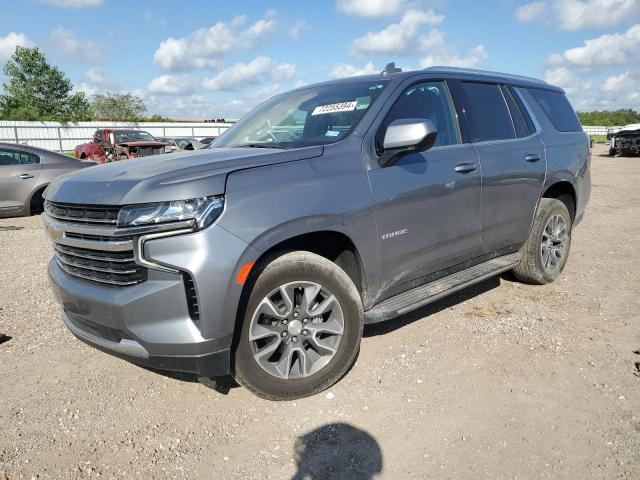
26, 176
532, 157
465, 167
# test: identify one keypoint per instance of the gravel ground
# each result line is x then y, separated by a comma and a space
503, 380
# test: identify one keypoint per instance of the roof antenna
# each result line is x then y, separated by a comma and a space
390, 68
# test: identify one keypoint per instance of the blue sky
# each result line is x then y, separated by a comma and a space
203, 59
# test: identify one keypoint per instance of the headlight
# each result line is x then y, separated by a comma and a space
203, 211
168, 149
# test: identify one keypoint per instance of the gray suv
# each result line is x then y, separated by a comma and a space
324, 209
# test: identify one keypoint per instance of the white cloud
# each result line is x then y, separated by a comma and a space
206, 47
531, 12
73, 3
171, 85
284, 71
298, 27
605, 50
369, 8
580, 14
437, 51
96, 76
254, 72
65, 42
398, 37
620, 83
476, 55
9, 42
342, 70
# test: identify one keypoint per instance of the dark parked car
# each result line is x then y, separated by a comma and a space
325, 208
24, 174
207, 140
182, 143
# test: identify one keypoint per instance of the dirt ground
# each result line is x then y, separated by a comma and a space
503, 380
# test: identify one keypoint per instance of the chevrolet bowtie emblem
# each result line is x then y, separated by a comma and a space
53, 232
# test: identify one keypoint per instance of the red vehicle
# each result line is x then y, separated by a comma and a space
110, 145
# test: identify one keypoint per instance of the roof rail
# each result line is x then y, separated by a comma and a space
484, 73
390, 68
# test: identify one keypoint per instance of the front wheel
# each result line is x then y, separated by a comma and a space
301, 329
545, 252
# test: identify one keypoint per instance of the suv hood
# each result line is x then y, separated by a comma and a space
174, 176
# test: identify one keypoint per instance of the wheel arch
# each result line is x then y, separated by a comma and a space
564, 191
36, 196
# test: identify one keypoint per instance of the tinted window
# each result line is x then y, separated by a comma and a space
558, 110
17, 157
517, 114
487, 112
428, 100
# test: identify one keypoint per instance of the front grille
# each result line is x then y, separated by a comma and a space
88, 246
145, 151
87, 214
98, 330
115, 268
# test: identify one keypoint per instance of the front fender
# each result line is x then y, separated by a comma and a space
267, 205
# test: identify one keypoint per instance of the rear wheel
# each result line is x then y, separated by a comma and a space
301, 329
545, 252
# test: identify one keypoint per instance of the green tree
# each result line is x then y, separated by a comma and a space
39, 91
118, 107
607, 118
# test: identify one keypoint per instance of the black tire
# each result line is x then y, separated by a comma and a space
290, 267
531, 268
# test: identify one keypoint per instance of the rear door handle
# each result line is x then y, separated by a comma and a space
532, 157
465, 167
26, 176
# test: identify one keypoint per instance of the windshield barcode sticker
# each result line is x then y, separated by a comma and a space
334, 107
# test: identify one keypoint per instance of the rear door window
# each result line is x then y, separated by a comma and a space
17, 157
558, 110
487, 112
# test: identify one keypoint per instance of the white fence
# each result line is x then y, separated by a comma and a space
65, 136
598, 130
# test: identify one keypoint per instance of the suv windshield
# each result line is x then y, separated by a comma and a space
133, 136
312, 116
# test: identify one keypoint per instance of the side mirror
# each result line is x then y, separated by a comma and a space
405, 136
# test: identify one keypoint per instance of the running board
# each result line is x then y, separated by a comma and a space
420, 296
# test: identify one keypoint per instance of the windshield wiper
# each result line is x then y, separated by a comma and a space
260, 145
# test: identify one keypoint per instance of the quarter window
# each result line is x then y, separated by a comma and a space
428, 100
558, 110
487, 112
17, 157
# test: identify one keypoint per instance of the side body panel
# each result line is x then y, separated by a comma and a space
16, 184
436, 209
511, 186
567, 156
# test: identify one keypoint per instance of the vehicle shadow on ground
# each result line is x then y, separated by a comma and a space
337, 450
449, 301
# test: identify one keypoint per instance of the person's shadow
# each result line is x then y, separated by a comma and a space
339, 451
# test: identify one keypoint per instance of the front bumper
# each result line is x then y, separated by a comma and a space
149, 323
